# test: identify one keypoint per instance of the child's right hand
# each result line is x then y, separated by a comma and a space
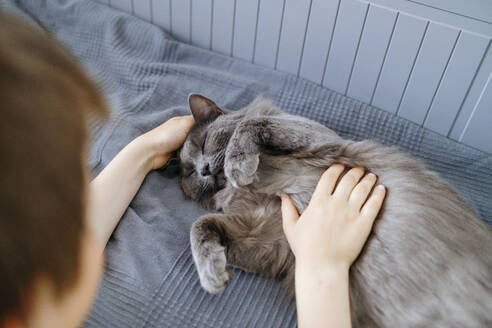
334, 227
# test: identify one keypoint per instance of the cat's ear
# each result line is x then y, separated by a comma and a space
203, 109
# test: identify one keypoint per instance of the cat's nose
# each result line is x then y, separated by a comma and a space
205, 170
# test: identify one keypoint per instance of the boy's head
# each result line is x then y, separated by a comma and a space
45, 255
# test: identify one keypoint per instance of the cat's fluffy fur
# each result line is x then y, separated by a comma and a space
428, 262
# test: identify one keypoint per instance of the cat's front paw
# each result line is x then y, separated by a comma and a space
240, 168
212, 267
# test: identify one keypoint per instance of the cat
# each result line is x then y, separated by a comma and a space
428, 261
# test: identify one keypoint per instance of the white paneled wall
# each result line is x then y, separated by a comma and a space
429, 61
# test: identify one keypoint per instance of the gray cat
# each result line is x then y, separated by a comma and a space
428, 262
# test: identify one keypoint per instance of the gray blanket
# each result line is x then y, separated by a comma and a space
146, 76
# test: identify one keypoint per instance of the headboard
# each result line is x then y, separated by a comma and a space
429, 61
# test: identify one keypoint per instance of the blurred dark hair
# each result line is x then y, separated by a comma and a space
45, 99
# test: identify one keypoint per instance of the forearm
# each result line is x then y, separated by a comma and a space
112, 190
322, 297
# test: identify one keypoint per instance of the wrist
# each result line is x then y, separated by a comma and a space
322, 294
143, 152
322, 269
156, 150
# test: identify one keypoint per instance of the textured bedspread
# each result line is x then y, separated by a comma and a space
146, 76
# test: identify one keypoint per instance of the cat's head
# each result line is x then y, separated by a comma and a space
202, 155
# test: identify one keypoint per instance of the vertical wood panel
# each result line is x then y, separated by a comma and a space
161, 13
201, 29
425, 71
458, 76
346, 38
473, 95
269, 21
180, 22
245, 29
479, 126
373, 45
318, 38
142, 9
292, 36
125, 5
223, 26
398, 63
426, 75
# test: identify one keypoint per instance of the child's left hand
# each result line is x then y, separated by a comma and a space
166, 138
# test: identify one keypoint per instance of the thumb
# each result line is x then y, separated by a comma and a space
188, 122
289, 216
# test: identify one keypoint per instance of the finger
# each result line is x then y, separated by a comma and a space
187, 122
371, 208
348, 183
183, 117
328, 180
189, 118
289, 216
362, 190
175, 131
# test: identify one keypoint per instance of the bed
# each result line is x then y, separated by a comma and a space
146, 75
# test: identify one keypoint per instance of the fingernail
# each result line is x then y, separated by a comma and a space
372, 175
381, 187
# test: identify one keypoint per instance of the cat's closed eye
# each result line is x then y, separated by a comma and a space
188, 170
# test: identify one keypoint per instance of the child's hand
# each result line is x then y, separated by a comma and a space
334, 227
166, 138
113, 189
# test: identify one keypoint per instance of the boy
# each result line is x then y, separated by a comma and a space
54, 225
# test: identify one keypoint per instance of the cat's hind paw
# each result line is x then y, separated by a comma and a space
240, 169
212, 269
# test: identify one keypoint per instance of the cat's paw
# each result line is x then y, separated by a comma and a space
212, 268
240, 169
